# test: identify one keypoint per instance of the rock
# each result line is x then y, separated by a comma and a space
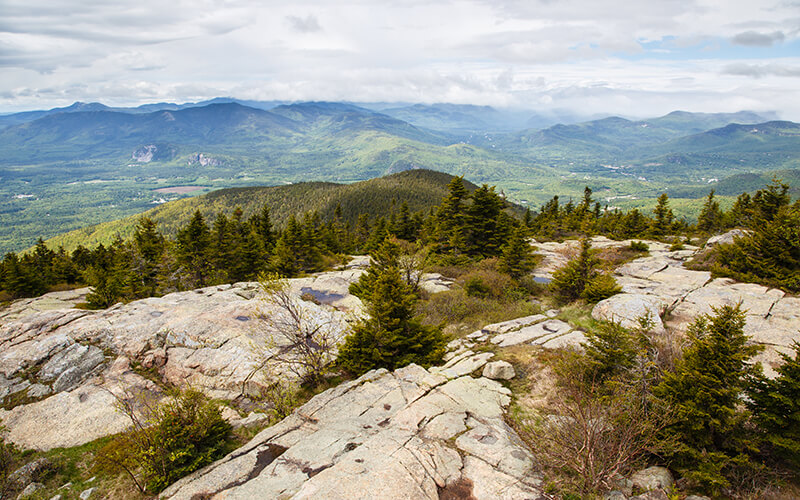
74, 417
30, 490
614, 495
514, 324
37, 391
85, 494
30, 472
56, 497
538, 333
627, 309
696, 497
652, 495
499, 370
401, 435
726, 238
465, 365
652, 478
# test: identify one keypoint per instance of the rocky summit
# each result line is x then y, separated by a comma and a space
414, 433
410, 434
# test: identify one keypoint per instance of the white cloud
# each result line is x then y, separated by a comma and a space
609, 56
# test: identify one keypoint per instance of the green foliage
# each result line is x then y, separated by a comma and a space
775, 404
581, 278
770, 255
711, 442
178, 436
710, 218
517, 258
663, 217
391, 337
639, 246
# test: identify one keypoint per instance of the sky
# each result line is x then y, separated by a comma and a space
631, 58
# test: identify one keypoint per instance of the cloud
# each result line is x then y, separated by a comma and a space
761, 70
308, 24
756, 39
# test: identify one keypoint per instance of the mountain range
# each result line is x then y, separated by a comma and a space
65, 168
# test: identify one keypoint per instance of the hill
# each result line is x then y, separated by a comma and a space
421, 189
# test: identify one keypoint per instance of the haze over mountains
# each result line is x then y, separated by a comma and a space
88, 163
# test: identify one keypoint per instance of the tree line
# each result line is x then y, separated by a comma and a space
465, 226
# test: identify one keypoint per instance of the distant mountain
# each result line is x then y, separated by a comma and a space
103, 134
464, 118
421, 189
618, 137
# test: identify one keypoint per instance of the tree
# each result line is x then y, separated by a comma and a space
581, 278
193, 250
517, 257
484, 227
710, 216
775, 404
662, 224
704, 390
769, 255
391, 337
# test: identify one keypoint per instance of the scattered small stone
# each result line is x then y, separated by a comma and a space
615, 495
85, 494
30, 490
57, 497
652, 495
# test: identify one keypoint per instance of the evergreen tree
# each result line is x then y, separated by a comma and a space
150, 246
391, 337
775, 404
710, 216
193, 250
581, 278
704, 392
517, 256
770, 255
484, 226
662, 225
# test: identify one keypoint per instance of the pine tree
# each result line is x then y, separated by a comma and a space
517, 257
775, 404
484, 227
581, 278
704, 391
391, 337
662, 225
193, 250
710, 216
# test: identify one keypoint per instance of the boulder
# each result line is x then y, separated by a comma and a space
627, 309
652, 478
726, 238
499, 370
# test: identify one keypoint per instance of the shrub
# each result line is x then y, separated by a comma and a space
180, 435
705, 390
776, 406
639, 246
600, 286
486, 283
581, 278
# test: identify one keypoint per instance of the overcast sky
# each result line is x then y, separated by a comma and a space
635, 58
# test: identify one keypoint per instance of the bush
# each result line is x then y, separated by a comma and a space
172, 439
639, 246
705, 391
600, 286
486, 283
581, 278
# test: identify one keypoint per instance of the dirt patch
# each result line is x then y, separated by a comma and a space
180, 189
